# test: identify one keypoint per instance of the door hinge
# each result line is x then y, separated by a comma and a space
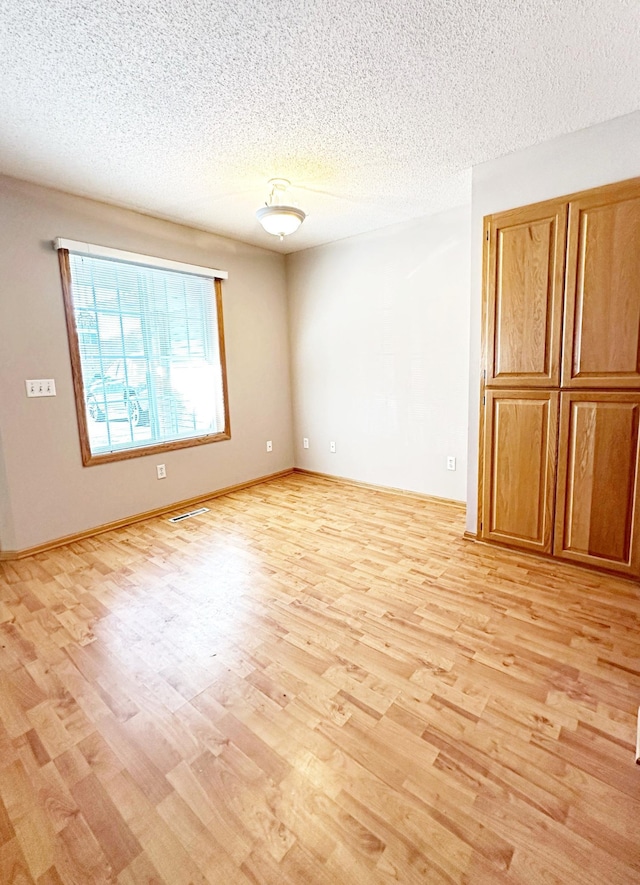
487, 236
484, 400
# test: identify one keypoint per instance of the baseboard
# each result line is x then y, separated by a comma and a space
470, 536
376, 488
8, 555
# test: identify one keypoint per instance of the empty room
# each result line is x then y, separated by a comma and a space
319, 442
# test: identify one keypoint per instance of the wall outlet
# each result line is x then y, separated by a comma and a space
41, 387
332, 447
305, 443
269, 445
161, 470
451, 462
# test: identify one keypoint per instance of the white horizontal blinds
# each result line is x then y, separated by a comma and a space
149, 353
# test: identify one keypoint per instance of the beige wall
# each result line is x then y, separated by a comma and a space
599, 155
45, 492
385, 346
379, 359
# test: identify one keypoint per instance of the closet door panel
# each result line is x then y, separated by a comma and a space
524, 266
598, 514
602, 310
520, 446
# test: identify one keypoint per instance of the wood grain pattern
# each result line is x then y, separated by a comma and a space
520, 448
315, 683
524, 290
598, 514
602, 303
596, 522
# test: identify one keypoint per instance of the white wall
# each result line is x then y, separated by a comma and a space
599, 155
45, 492
379, 336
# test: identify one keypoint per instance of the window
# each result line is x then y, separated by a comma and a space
147, 352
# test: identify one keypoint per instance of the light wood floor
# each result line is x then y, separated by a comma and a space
315, 683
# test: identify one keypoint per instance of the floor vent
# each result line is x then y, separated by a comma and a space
190, 513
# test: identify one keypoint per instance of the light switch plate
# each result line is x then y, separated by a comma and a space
40, 387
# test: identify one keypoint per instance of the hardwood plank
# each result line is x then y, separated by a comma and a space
51, 877
319, 682
79, 858
7, 833
37, 839
13, 867
116, 839
141, 872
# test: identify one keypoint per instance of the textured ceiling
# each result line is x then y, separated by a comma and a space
374, 109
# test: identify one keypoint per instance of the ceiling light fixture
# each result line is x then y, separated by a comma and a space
276, 217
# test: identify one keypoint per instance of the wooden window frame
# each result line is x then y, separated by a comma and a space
88, 458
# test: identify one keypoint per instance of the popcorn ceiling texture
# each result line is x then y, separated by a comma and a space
375, 109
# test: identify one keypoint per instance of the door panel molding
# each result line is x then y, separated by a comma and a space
601, 346
520, 449
598, 488
524, 283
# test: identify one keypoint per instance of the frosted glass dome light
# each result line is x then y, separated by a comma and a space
276, 218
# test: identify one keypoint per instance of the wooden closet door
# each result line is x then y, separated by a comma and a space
520, 446
602, 306
524, 266
598, 494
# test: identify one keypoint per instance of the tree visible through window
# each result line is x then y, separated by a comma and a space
147, 350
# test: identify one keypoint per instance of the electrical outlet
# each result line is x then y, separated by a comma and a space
451, 462
332, 447
305, 443
161, 470
41, 387
269, 445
